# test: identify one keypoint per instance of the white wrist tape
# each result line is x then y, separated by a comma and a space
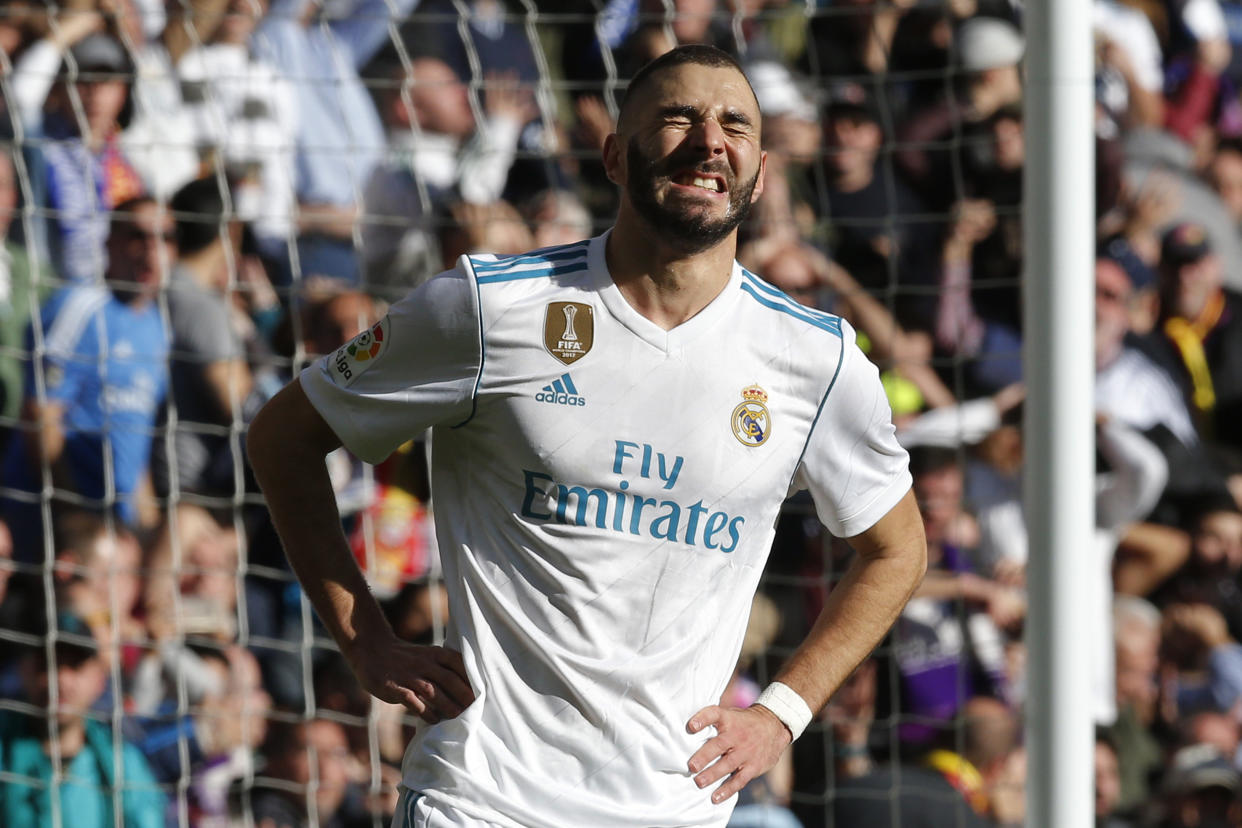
788, 706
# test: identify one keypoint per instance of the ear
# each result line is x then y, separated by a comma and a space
397, 111
614, 159
763, 171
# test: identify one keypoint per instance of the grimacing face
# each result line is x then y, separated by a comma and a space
692, 160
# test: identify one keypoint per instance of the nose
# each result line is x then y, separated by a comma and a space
709, 136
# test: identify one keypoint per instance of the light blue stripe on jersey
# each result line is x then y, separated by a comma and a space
557, 387
510, 276
776, 293
553, 254
823, 401
831, 325
478, 379
569, 385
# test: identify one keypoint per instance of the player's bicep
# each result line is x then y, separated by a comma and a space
898, 533
416, 368
289, 419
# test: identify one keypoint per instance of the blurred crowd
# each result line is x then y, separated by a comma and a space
197, 198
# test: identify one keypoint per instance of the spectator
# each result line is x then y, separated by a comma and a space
191, 583
439, 156
492, 33
6, 564
792, 137
1225, 176
23, 286
1220, 730
340, 137
1138, 392
311, 757
558, 217
989, 52
219, 730
1206, 661
1201, 327
245, 111
1143, 305
1107, 784
1202, 790
947, 643
1136, 633
78, 750
79, 167
873, 213
1201, 95
103, 376
982, 256
1129, 77
1211, 573
98, 574
159, 140
945, 788
210, 379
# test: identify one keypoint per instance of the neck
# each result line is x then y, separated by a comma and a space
135, 297
71, 738
666, 285
851, 181
208, 267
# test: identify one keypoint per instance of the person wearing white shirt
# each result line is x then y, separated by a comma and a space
615, 425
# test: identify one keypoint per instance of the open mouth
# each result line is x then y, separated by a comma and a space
704, 181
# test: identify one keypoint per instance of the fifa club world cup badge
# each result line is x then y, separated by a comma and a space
751, 421
568, 330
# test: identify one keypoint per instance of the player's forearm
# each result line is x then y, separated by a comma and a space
288, 460
860, 609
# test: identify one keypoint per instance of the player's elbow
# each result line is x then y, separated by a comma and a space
917, 562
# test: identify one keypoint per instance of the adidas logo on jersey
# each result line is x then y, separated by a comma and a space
561, 392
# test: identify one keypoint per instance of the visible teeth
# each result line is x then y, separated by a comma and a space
707, 184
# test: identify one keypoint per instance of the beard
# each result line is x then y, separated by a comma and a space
688, 231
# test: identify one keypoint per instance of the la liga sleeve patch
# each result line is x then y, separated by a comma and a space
353, 358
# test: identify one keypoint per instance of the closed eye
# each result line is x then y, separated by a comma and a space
678, 114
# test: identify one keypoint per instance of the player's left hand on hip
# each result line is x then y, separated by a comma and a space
747, 743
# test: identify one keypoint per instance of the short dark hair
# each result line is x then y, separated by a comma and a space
693, 53
928, 459
123, 213
199, 210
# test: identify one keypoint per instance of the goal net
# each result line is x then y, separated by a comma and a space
201, 198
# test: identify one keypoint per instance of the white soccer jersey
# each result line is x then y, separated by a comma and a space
606, 494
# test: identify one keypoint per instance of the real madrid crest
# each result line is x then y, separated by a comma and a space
568, 330
751, 421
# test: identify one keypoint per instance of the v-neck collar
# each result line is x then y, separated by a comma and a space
641, 326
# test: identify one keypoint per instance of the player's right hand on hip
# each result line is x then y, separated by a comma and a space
430, 682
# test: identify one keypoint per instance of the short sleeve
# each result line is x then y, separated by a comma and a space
416, 368
68, 364
853, 466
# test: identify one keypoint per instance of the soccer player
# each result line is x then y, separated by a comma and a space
615, 425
